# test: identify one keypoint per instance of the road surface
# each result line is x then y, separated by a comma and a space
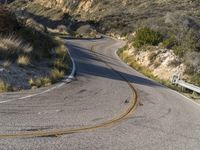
164, 120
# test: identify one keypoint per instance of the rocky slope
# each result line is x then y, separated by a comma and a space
162, 63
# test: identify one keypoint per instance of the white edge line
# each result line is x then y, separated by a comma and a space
191, 100
68, 80
71, 76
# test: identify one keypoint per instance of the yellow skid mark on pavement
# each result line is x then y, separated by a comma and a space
56, 132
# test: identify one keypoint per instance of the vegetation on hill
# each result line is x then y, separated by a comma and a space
164, 23
8, 22
169, 24
29, 56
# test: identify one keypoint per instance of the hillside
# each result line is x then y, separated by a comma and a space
29, 56
177, 23
124, 16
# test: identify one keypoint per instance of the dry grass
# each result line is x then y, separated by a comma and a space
53, 77
61, 50
53, 14
43, 81
31, 82
6, 64
46, 81
3, 86
32, 24
145, 70
59, 64
56, 74
40, 82
23, 60
30, 43
11, 47
60, 67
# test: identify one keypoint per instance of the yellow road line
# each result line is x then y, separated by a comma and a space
56, 132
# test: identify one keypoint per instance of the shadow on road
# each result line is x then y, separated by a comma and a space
92, 63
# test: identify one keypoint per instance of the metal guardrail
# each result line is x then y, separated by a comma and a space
176, 80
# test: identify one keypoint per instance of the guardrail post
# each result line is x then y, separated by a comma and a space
175, 79
184, 85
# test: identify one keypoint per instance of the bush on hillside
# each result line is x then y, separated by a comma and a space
19, 37
170, 42
146, 36
179, 51
42, 43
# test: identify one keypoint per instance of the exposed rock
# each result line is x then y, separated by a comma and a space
161, 65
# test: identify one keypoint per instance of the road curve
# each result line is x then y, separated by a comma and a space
164, 120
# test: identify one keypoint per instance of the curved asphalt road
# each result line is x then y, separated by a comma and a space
163, 121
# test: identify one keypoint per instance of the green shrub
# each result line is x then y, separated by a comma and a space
170, 42
178, 50
196, 79
146, 36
